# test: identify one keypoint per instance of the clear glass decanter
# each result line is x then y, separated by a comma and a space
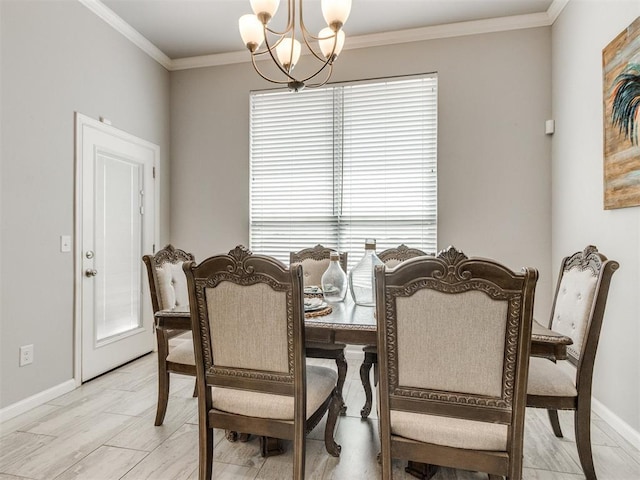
361, 276
334, 280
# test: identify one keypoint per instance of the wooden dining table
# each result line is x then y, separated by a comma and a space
346, 322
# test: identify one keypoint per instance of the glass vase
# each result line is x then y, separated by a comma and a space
334, 280
361, 280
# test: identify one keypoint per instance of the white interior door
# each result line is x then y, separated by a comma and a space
117, 214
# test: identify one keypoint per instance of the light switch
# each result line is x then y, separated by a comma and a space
549, 127
65, 243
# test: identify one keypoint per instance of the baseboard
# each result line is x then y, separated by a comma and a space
627, 432
36, 400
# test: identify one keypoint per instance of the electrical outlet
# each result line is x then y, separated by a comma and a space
26, 355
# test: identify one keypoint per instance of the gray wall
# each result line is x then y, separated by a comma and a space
57, 58
494, 158
579, 35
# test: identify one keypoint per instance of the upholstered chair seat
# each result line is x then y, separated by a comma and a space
320, 383
182, 353
547, 378
450, 432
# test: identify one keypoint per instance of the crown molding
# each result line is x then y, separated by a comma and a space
106, 14
555, 9
390, 38
460, 29
450, 30
212, 60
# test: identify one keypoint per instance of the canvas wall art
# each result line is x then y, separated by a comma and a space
621, 83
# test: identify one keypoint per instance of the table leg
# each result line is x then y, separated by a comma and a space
365, 369
270, 447
232, 436
423, 471
341, 363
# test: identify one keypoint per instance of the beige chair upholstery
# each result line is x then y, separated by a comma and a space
314, 262
453, 350
247, 318
391, 257
168, 287
578, 311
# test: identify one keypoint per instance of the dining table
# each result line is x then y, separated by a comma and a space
346, 322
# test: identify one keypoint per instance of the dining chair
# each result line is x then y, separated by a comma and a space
314, 262
247, 318
453, 341
391, 257
577, 312
168, 287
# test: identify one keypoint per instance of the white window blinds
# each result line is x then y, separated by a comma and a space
344, 163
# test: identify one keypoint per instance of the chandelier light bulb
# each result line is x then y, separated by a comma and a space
251, 31
336, 12
326, 39
287, 55
265, 9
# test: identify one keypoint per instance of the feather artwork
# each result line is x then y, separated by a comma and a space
626, 102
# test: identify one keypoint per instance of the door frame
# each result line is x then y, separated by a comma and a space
81, 121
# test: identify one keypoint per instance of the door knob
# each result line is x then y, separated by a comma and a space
91, 272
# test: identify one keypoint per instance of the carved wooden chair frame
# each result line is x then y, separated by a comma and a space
452, 272
242, 267
603, 269
168, 254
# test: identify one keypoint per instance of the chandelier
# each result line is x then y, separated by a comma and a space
284, 46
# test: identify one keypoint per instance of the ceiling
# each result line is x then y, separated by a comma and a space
191, 33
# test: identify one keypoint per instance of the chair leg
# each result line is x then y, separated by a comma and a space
555, 422
195, 389
582, 420
341, 363
299, 462
384, 459
163, 377
205, 469
365, 369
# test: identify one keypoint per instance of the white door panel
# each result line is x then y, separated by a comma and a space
117, 214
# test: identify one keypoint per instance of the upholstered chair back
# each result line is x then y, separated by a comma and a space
246, 302
451, 342
391, 257
244, 319
581, 293
315, 262
167, 279
453, 348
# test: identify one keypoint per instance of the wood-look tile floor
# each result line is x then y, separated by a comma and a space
104, 431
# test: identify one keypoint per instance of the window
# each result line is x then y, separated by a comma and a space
340, 164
